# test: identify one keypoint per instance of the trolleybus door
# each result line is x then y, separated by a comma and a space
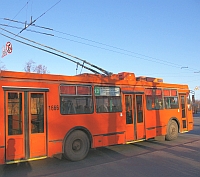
37, 125
134, 117
14, 126
183, 106
25, 125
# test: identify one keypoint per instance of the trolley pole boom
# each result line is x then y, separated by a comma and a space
84, 61
92, 70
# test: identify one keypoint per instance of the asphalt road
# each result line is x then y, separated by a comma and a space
144, 159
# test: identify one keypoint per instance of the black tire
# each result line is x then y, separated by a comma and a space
76, 146
172, 131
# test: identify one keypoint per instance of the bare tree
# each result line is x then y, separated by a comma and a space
32, 67
41, 69
197, 105
29, 67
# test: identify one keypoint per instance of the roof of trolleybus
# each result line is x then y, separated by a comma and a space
123, 79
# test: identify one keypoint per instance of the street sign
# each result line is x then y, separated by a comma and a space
9, 47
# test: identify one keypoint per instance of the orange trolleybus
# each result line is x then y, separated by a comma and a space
42, 115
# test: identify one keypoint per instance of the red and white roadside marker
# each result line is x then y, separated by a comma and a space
6, 50
9, 47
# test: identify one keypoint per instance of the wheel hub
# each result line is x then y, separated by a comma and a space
173, 130
76, 146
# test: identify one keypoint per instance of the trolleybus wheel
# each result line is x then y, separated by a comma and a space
172, 131
76, 146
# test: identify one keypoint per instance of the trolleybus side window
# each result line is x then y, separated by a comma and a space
189, 101
76, 99
37, 112
154, 99
170, 98
15, 120
108, 99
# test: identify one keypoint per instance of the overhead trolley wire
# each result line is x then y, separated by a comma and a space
147, 58
92, 70
32, 22
48, 34
141, 56
111, 46
84, 61
20, 10
150, 58
24, 24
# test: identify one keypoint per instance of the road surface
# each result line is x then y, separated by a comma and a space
144, 159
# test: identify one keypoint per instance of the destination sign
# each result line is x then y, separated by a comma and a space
106, 91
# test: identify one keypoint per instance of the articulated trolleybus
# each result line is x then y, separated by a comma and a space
45, 115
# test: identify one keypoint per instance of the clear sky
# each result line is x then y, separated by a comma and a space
148, 37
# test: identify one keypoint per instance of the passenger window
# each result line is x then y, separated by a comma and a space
154, 99
108, 104
76, 99
108, 99
171, 99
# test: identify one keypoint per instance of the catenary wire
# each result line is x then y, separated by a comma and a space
32, 22
152, 59
92, 70
48, 34
84, 61
20, 10
103, 48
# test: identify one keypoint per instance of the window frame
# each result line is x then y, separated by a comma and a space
69, 99
154, 99
171, 98
104, 94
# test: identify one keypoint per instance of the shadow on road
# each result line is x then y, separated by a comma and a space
19, 169
105, 155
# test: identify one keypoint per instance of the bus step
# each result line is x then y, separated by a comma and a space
26, 160
135, 141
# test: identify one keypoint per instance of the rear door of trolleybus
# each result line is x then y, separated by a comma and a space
134, 117
184, 112
25, 124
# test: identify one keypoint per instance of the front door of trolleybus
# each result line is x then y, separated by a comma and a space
25, 125
134, 117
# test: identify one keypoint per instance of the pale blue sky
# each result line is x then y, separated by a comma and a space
148, 37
